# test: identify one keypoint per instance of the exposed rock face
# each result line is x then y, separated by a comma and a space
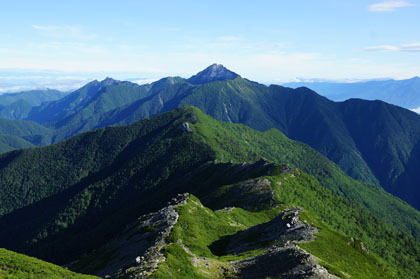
288, 261
165, 219
215, 72
185, 127
284, 258
109, 81
284, 229
137, 252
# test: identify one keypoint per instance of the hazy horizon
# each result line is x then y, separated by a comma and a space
268, 41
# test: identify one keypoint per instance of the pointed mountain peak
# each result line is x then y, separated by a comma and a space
215, 72
109, 81
105, 82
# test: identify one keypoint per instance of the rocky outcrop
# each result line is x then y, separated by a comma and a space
161, 223
136, 253
185, 127
286, 261
283, 258
284, 229
215, 72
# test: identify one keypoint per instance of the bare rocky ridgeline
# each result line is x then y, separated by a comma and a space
283, 257
137, 253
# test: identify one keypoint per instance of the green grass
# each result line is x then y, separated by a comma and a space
346, 219
341, 220
240, 143
178, 264
116, 174
18, 266
339, 255
199, 226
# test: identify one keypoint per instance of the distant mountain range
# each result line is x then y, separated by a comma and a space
204, 182
32, 97
182, 195
369, 140
18, 105
403, 93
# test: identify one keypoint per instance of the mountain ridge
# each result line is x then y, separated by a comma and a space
83, 192
88, 191
386, 158
404, 93
327, 129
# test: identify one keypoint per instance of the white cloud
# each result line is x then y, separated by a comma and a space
71, 46
382, 48
63, 31
46, 28
33, 83
143, 81
388, 6
417, 110
229, 38
407, 47
411, 47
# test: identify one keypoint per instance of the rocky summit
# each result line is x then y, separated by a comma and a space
215, 72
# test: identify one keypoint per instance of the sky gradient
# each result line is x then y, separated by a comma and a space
266, 41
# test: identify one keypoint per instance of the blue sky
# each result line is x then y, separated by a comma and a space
266, 41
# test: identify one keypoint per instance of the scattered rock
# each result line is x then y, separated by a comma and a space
284, 257
185, 127
142, 242
363, 247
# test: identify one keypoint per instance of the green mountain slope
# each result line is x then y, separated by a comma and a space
93, 99
190, 240
32, 97
64, 200
65, 117
247, 222
14, 265
21, 128
381, 151
260, 107
17, 110
19, 105
9, 143
15, 134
